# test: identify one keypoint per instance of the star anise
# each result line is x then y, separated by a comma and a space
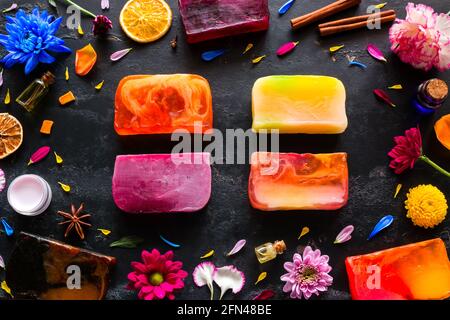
75, 220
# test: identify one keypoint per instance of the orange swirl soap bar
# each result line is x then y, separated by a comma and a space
417, 271
299, 104
292, 181
149, 104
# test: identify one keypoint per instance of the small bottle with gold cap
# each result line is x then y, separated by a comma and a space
33, 94
269, 251
431, 94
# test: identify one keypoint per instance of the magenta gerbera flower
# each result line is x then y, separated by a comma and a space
307, 275
157, 276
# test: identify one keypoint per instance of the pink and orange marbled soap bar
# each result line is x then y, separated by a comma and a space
417, 271
292, 181
151, 183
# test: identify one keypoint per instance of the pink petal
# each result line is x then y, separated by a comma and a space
237, 247
345, 234
159, 292
105, 4
375, 52
286, 48
120, 54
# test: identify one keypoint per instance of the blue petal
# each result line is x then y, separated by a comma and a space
285, 7
44, 57
211, 55
53, 27
31, 64
8, 62
384, 222
8, 229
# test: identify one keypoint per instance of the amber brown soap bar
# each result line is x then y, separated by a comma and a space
38, 269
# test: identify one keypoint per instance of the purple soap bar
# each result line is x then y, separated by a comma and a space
151, 183
211, 19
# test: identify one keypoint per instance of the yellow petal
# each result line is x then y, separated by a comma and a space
80, 30
305, 231
261, 277
336, 48
381, 5
397, 190
65, 187
396, 87
248, 48
207, 255
7, 97
104, 231
258, 59
100, 85
66, 74
5, 288
58, 158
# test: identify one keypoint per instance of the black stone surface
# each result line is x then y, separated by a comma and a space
83, 135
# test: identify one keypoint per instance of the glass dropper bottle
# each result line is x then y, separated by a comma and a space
269, 251
34, 93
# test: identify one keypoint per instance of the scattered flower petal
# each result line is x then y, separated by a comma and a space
375, 52
105, 4
52, 3
285, 7
305, 231
207, 255
261, 277
7, 97
384, 222
397, 190
229, 277
5, 288
65, 187
8, 229
2, 180
383, 96
128, 242
58, 158
120, 54
66, 74
105, 232
380, 5
204, 274
237, 247
211, 55
1, 77
396, 87
336, 48
265, 295
14, 6
248, 48
2, 263
258, 59
345, 235
357, 64
99, 86
170, 243
80, 30
39, 154
286, 48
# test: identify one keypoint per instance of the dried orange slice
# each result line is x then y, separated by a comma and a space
442, 129
11, 134
146, 20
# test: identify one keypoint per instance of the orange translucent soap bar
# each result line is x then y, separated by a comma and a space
149, 104
292, 181
416, 271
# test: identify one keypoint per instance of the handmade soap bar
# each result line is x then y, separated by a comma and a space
416, 271
211, 19
147, 104
292, 181
39, 268
151, 183
299, 104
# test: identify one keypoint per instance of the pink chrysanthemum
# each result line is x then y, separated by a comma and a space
407, 150
157, 276
422, 39
307, 275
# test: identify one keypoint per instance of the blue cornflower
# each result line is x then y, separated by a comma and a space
30, 37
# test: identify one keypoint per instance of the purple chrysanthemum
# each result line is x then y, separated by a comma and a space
101, 25
30, 37
307, 275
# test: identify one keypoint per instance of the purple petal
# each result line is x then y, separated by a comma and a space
1, 78
237, 247
119, 54
345, 234
11, 8
2, 263
375, 52
105, 4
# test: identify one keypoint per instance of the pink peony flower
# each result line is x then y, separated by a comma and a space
157, 277
422, 39
307, 275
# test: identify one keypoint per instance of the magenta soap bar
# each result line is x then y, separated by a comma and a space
212, 19
151, 183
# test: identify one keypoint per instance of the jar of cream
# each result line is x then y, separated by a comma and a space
29, 195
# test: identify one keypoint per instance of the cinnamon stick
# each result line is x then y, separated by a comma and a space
358, 22
324, 12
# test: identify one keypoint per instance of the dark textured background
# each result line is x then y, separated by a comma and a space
83, 135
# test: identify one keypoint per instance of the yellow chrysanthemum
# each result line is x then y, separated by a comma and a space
426, 205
